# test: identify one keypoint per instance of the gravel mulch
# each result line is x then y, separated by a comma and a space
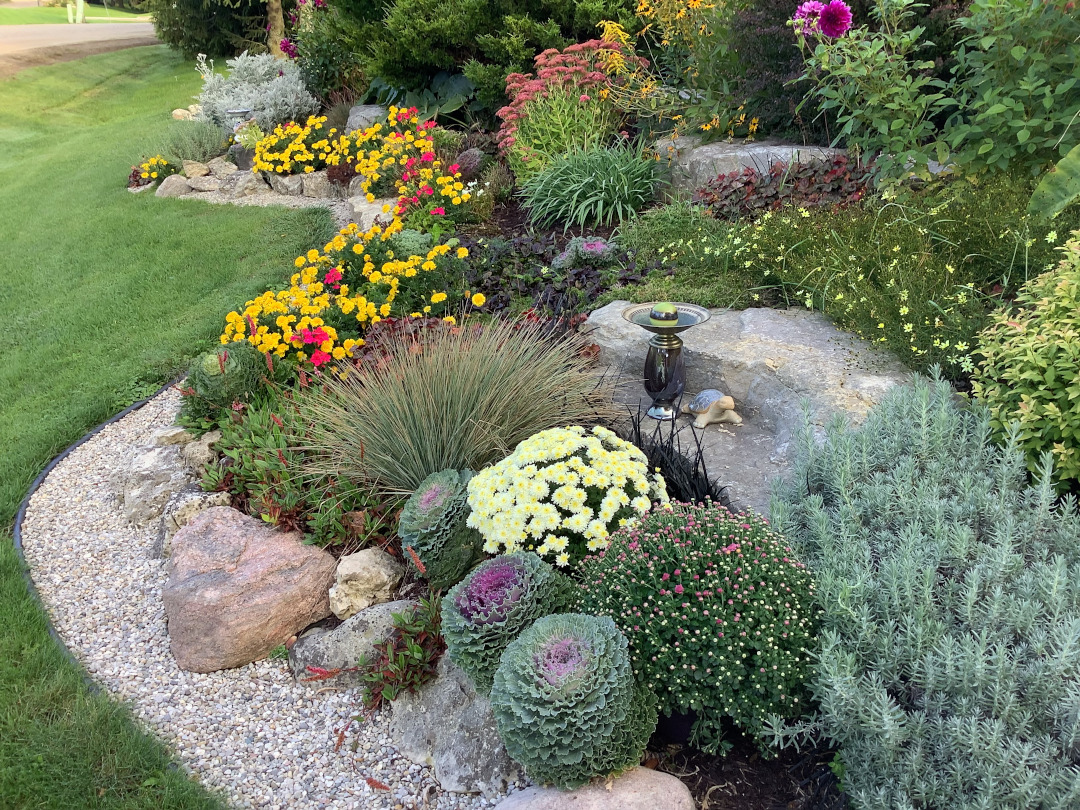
253, 733
339, 209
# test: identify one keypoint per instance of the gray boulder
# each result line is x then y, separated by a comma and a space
365, 213
772, 362
220, 167
687, 164
152, 477
637, 789
289, 184
343, 646
173, 186
197, 453
180, 510
244, 184
318, 185
238, 588
192, 168
363, 116
368, 577
450, 728
204, 183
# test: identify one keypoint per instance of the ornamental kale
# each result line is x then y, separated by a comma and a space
499, 599
433, 528
565, 702
718, 613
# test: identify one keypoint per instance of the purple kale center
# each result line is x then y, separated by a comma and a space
491, 592
434, 497
561, 659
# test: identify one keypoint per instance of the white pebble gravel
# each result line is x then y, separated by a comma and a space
255, 735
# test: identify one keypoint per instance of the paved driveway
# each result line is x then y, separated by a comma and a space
23, 46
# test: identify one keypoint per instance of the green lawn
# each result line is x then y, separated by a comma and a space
103, 294
94, 14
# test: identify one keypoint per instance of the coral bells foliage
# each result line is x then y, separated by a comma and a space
719, 615
356, 280
565, 702
493, 604
561, 493
566, 104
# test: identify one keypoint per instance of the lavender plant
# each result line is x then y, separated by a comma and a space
719, 615
432, 527
565, 702
499, 599
949, 670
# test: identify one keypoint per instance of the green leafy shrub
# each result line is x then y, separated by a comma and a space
596, 186
719, 615
328, 47
488, 609
947, 668
450, 399
263, 470
272, 89
432, 527
193, 140
1030, 368
237, 373
1058, 188
408, 659
214, 28
565, 702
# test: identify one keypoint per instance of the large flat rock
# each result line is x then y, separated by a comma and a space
688, 163
773, 363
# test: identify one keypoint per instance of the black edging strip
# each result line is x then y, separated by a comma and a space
91, 684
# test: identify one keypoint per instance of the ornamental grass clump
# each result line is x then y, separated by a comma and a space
948, 669
561, 493
1031, 366
433, 531
493, 604
566, 704
719, 615
456, 398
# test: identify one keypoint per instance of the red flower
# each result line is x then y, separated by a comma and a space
438, 211
319, 357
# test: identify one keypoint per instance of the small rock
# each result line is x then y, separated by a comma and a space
342, 647
155, 473
446, 725
181, 114
290, 184
318, 185
244, 184
638, 789
140, 189
173, 434
180, 510
173, 186
363, 116
205, 183
243, 157
238, 588
365, 213
199, 452
219, 167
192, 168
368, 577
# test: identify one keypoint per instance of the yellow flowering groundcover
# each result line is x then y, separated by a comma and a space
151, 170
561, 493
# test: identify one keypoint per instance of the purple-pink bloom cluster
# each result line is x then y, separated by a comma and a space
560, 659
288, 47
832, 20
491, 592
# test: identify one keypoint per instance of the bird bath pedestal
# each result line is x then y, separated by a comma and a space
665, 372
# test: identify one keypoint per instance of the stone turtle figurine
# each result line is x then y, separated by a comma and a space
712, 407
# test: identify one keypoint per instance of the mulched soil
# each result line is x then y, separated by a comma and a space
510, 219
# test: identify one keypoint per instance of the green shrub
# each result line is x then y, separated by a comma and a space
450, 399
719, 615
565, 702
193, 140
493, 604
948, 665
597, 186
1030, 368
237, 373
210, 27
432, 527
328, 46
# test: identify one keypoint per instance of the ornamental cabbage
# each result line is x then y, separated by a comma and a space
565, 702
561, 493
432, 526
487, 610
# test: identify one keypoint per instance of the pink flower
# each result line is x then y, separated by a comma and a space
583, 98
807, 16
835, 19
438, 212
318, 357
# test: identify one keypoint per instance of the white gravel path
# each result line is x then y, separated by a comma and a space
253, 733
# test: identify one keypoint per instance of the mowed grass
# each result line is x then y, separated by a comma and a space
103, 295
34, 15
